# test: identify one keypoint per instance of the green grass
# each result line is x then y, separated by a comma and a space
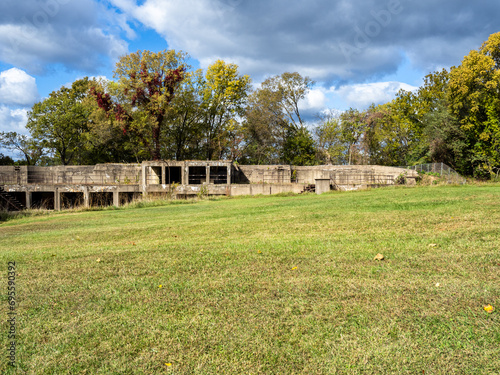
261, 285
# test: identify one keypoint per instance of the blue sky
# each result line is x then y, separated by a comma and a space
358, 51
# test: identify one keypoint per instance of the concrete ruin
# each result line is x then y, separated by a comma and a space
62, 187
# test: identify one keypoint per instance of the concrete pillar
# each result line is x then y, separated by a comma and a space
57, 200
208, 174
143, 180
163, 177
185, 174
116, 198
28, 199
86, 197
229, 174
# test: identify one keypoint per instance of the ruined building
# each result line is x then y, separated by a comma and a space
61, 187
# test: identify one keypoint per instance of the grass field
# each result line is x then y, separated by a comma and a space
261, 285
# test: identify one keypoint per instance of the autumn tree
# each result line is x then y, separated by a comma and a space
138, 103
474, 94
224, 92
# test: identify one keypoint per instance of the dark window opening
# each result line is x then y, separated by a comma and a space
156, 176
197, 175
42, 199
128, 197
101, 199
71, 200
173, 175
218, 175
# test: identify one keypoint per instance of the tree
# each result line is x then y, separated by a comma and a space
224, 92
299, 147
6, 160
183, 136
353, 127
273, 116
264, 128
331, 146
447, 140
474, 94
59, 122
31, 150
147, 82
289, 89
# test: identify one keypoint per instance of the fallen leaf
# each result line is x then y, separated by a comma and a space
98, 260
379, 257
432, 245
489, 309
294, 268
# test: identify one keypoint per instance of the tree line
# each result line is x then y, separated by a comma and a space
158, 107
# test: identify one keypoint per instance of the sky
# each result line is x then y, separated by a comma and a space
357, 51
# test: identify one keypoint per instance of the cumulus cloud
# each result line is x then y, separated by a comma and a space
17, 87
314, 100
363, 95
345, 41
13, 119
78, 34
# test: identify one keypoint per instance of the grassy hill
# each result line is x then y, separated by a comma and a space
261, 285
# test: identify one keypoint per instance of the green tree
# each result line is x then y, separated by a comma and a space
299, 147
183, 137
353, 127
28, 147
273, 116
6, 160
330, 143
59, 122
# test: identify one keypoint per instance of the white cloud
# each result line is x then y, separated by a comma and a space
363, 95
17, 87
314, 100
79, 34
13, 120
343, 41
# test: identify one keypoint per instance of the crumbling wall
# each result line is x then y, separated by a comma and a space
351, 175
258, 174
102, 174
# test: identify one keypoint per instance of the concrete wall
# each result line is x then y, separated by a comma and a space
265, 189
103, 174
116, 183
351, 174
257, 174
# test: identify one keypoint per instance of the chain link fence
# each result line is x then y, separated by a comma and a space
445, 172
